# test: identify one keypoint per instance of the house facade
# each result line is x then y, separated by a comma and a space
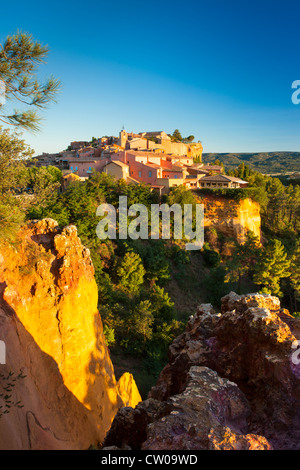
84, 167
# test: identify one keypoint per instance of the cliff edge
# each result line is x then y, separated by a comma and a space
233, 218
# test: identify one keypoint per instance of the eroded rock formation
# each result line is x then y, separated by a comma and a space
232, 382
67, 393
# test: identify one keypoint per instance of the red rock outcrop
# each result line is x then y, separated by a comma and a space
209, 414
232, 382
67, 394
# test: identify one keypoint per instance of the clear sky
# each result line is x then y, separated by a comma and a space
219, 70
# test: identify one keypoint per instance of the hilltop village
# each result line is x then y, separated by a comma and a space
153, 158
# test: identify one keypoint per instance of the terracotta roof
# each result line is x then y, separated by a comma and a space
197, 165
129, 179
86, 149
84, 160
173, 168
237, 180
140, 153
154, 165
117, 162
212, 167
199, 170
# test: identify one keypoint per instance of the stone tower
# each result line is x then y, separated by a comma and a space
123, 136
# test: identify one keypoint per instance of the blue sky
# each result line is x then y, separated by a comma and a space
220, 70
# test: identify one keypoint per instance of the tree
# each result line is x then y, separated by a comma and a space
188, 139
271, 267
163, 307
13, 153
20, 56
243, 260
143, 319
295, 274
155, 261
181, 195
130, 272
44, 183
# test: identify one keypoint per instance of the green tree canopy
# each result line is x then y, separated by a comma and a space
13, 153
243, 260
130, 272
272, 266
295, 274
176, 136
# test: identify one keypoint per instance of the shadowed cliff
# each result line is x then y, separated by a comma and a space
53, 332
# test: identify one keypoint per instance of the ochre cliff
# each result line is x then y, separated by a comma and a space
54, 336
232, 218
232, 382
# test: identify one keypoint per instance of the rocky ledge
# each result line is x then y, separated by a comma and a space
232, 383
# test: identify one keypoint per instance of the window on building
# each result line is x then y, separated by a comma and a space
71, 168
140, 174
150, 174
175, 176
76, 168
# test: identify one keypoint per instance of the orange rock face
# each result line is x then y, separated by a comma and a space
232, 218
54, 335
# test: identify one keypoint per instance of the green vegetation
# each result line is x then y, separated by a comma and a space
148, 288
177, 137
272, 265
20, 56
236, 194
264, 162
20, 187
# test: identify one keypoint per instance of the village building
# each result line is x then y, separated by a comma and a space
46, 159
119, 170
152, 158
159, 141
222, 181
76, 145
84, 167
69, 178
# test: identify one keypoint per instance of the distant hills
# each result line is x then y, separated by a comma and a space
264, 162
